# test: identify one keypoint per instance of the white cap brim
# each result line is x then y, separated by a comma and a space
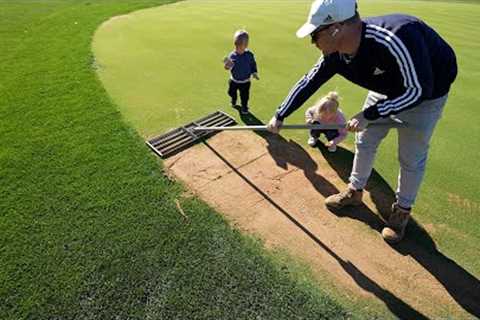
306, 29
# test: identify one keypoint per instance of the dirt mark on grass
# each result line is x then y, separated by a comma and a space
466, 205
274, 189
117, 18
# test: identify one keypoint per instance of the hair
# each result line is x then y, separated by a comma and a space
240, 36
323, 104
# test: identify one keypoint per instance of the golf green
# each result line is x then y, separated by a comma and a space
163, 68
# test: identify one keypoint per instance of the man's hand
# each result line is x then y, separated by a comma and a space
357, 123
255, 75
274, 125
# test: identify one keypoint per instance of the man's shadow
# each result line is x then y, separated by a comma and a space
289, 152
286, 152
462, 286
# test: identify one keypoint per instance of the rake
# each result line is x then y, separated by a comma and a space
264, 128
185, 136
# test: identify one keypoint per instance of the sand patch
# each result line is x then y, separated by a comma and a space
275, 189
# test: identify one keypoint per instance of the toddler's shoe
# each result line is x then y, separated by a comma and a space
244, 110
312, 141
332, 148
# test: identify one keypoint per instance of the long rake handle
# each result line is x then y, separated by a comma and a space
295, 127
264, 128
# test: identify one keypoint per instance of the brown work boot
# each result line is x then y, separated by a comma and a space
348, 197
395, 229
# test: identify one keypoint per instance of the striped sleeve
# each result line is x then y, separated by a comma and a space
306, 86
409, 52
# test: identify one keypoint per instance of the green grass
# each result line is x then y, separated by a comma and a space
88, 223
159, 86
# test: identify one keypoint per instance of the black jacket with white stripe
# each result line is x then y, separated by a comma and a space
399, 56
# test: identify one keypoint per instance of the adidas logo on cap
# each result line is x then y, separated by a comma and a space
328, 19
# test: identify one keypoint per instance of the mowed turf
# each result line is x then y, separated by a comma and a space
89, 227
163, 68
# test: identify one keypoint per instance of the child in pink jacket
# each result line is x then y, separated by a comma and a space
326, 111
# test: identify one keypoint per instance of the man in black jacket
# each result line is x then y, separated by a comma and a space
408, 69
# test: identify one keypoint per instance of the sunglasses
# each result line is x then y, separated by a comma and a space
316, 32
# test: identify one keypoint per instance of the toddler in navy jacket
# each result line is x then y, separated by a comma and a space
242, 65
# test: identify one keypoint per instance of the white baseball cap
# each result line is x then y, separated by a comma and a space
325, 12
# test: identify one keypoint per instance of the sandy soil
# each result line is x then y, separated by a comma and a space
274, 189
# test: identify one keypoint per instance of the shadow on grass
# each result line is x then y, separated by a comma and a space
289, 152
462, 286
